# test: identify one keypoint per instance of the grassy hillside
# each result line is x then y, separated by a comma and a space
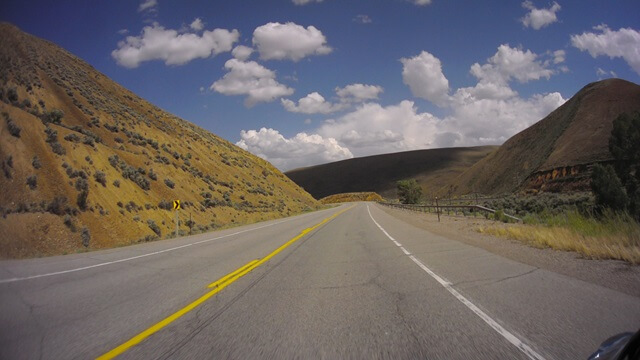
432, 168
559, 148
87, 162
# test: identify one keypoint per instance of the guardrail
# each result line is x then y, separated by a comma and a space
438, 209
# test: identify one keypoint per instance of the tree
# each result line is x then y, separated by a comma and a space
409, 191
618, 187
608, 189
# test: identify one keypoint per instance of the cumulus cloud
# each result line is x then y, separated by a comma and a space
242, 52
276, 41
359, 92
305, 2
539, 18
423, 74
624, 43
148, 5
175, 48
197, 25
286, 154
511, 63
485, 114
313, 103
251, 79
559, 56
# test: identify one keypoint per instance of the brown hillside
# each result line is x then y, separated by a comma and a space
432, 168
556, 152
113, 162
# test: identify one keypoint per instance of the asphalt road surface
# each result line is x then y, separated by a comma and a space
348, 282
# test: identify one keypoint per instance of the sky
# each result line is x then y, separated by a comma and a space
305, 82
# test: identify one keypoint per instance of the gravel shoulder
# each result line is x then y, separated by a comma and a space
613, 274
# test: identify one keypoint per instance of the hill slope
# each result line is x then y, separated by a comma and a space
79, 151
432, 168
556, 153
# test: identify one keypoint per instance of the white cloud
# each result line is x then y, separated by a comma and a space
511, 63
358, 92
300, 150
242, 52
147, 5
559, 56
604, 73
488, 113
423, 74
362, 19
421, 2
123, 31
157, 43
251, 79
624, 43
276, 41
197, 25
539, 18
305, 2
313, 103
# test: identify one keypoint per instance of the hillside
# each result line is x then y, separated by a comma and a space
432, 168
351, 197
87, 162
556, 153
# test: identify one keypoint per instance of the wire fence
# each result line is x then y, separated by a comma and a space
464, 210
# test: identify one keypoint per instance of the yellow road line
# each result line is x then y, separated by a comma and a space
231, 275
217, 285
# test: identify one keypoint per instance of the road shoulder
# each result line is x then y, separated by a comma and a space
612, 274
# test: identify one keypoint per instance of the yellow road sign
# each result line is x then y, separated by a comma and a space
176, 205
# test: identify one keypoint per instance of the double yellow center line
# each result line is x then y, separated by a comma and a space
217, 286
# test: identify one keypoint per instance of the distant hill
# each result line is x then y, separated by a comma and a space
351, 197
80, 151
433, 169
556, 153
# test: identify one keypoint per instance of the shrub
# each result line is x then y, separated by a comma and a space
52, 135
58, 149
152, 175
35, 162
72, 137
409, 191
32, 181
169, 183
54, 116
82, 199
82, 184
86, 237
12, 95
153, 226
88, 140
57, 206
68, 221
166, 205
116, 183
14, 129
100, 177
608, 188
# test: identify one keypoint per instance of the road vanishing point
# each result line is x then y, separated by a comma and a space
347, 282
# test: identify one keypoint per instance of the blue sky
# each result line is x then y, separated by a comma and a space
302, 82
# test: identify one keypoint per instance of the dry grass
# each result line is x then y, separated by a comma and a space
613, 237
350, 197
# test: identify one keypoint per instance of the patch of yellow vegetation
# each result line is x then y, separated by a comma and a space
622, 245
351, 197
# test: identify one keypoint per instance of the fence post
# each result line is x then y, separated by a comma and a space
437, 209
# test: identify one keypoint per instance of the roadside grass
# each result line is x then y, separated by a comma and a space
612, 236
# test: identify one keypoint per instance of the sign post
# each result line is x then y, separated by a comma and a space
176, 207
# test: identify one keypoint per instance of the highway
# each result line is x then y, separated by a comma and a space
347, 282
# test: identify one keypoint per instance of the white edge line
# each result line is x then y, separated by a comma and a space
487, 319
3, 281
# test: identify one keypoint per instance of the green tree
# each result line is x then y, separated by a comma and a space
608, 188
409, 191
618, 186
